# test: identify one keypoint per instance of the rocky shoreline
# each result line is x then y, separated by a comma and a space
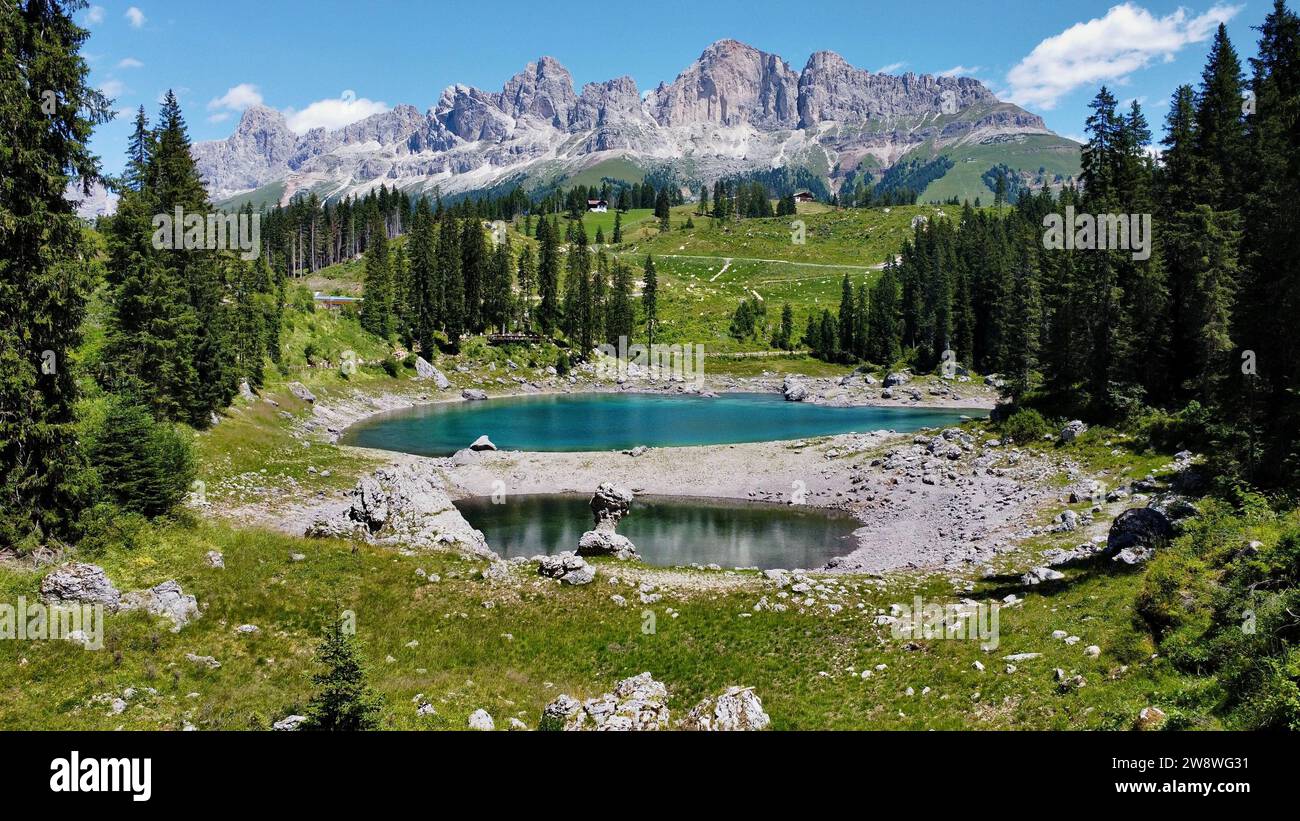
924, 501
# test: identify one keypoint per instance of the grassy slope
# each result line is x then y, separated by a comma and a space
964, 179
538, 641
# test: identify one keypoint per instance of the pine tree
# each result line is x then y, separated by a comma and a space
424, 290
453, 285
46, 275
500, 286
619, 315
883, 327
474, 271
144, 466
785, 335
1220, 128
527, 276
342, 700
1023, 348
847, 316
649, 298
618, 227
548, 278
376, 307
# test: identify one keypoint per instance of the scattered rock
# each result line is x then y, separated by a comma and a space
289, 723
482, 443
567, 567
473, 394
300, 390
737, 708
1038, 575
215, 559
203, 661
1150, 718
480, 720
425, 370
1072, 431
166, 600
1143, 527
637, 703
76, 583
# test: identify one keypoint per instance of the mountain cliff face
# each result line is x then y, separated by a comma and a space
735, 109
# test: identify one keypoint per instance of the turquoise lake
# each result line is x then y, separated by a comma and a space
670, 531
615, 421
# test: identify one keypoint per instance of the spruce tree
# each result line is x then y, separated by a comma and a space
527, 278
548, 278
376, 307
342, 700
453, 285
46, 272
650, 298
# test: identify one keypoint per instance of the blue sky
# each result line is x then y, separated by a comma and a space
326, 62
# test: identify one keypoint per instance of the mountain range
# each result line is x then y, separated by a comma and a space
735, 110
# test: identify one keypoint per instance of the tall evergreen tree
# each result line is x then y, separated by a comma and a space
650, 298
46, 274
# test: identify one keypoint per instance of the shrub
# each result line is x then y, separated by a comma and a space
391, 367
1025, 425
145, 466
409, 362
343, 700
562, 365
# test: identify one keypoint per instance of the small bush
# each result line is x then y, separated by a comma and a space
1025, 425
145, 466
391, 367
562, 366
409, 362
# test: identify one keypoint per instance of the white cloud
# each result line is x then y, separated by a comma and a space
236, 98
892, 67
960, 71
112, 88
129, 62
336, 113
95, 15
1107, 49
219, 117
135, 16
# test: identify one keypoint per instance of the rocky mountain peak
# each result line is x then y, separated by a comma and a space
544, 89
731, 84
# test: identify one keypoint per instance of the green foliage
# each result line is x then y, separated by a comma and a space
46, 269
342, 700
1023, 426
145, 466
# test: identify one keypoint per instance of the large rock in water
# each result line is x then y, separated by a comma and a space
610, 504
1138, 527
425, 370
738, 708
77, 583
403, 505
637, 703
606, 543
